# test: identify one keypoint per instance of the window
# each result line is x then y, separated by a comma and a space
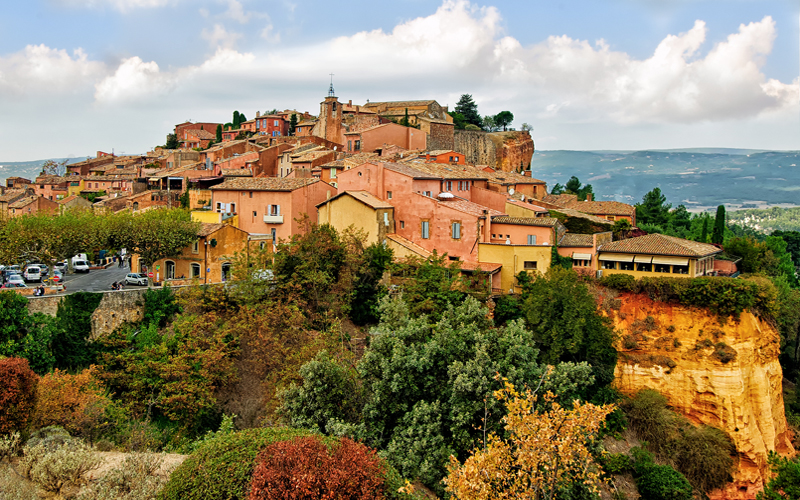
662, 268
610, 217
169, 272
626, 266
226, 271
274, 236
426, 230
580, 263
233, 208
349, 145
195, 270
455, 230
643, 267
451, 158
275, 123
529, 265
358, 145
531, 239
255, 214
275, 133
449, 185
680, 269
135, 206
608, 264
455, 159
333, 173
388, 195
402, 224
251, 194
427, 193
219, 207
274, 209
196, 247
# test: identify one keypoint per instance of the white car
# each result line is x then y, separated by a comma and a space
15, 280
80, 266
32, 273
136, 279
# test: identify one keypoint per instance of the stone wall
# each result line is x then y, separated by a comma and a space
505, 151
441, 136
116, 308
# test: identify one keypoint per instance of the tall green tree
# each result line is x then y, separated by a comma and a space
459, 122
466, 106
503, 119
718, 235
219, 133
172, 142
653, 209
704, 234
292, 124
236, 119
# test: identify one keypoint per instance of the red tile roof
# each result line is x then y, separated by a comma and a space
263, 184
526, 221
467, 207
660, 244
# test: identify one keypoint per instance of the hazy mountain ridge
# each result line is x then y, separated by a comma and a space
28, 169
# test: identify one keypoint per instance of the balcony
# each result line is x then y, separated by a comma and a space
273, 219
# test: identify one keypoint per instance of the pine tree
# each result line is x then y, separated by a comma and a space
219, 133
467, 107
718, 236
292, 124
236, 119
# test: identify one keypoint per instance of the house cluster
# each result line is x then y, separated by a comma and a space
389, 169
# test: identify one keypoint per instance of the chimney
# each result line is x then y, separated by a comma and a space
350, 102
487, 227
589, 197
258, 114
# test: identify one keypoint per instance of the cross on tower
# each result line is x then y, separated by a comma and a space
330, 90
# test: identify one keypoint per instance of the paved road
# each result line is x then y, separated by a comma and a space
98, 280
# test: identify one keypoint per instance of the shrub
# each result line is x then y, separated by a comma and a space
306, 468
104, 445
17, 393
75, 402
9, 446
647, 413
52, 468
222, 467
724, 353
703, 455
629, 342
624, 282
615, 463
134, 479
658, 482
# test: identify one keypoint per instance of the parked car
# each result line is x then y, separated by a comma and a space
43, 269
61, 266
14, 285
32, 273
57, 277
80, 266
15, 280
136, 279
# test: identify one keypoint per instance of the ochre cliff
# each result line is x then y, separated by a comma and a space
725, 375
506, 151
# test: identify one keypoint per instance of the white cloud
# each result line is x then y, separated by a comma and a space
123, 5
220, 37
133, 80
236, 12
39, 69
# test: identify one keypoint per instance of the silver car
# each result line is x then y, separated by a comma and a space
136, 279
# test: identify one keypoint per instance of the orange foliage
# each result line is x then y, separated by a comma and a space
305, 468
75, 402
17, 393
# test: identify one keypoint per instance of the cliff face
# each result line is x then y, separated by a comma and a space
726, 375
504, 151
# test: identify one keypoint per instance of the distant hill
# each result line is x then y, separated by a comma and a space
27, 169
701, 178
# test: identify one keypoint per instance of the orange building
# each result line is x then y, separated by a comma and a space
270, 205
609, 210
32, 205
373, 139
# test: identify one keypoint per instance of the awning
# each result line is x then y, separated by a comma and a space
154, 179
643, 259
673, 261
581, 256
616, 257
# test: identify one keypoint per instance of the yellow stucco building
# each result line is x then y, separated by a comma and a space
656, 255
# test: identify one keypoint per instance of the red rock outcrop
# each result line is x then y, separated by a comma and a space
724, 375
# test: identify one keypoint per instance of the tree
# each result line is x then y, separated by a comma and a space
466, 106
26, 335
564, 320
547, 450
404, 122
172, 142
786, 483
236, 120
489, 124
704, 234
52, 167
681, 218
367, 288
292, 124
653, 209
434, 284
719, 226
71, 345
459, 121
219, 133
526, 127
17, 394
503, 119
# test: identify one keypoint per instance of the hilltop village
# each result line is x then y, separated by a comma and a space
398, 171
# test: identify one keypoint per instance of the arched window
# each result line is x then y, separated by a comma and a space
169, 272
135, 205
226, 271
195, 270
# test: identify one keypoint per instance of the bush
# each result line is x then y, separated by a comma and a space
9, 446
658, 482
624, 282
17, 393
134, 479
724, 353
703, 455
647, 413
53, 467
615, 463
306, 468
222, 467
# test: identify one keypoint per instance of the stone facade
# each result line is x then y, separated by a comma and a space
441, 136
505, 151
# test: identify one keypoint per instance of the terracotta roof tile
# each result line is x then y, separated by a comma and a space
13, 195
237, 172
410, 245
660, 244
263, 184
23, 202
207, 228
576, 213
576, 240
468, 207
364, 197
488, 267
591, 207
526, 221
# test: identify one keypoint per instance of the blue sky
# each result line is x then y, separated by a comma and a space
77, 76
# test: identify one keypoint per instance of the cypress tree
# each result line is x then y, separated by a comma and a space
719, 226
704, 234
219, 133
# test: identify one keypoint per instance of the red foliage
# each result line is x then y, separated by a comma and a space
305, 468
17, 393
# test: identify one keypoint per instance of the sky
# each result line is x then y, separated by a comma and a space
78, 76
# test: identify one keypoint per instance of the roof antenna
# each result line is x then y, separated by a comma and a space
330, 90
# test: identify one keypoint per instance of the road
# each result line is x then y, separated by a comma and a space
98, 280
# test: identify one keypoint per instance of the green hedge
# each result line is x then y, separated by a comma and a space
723, 296
222, 467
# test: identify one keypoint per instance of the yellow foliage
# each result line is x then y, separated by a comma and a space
546, 450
